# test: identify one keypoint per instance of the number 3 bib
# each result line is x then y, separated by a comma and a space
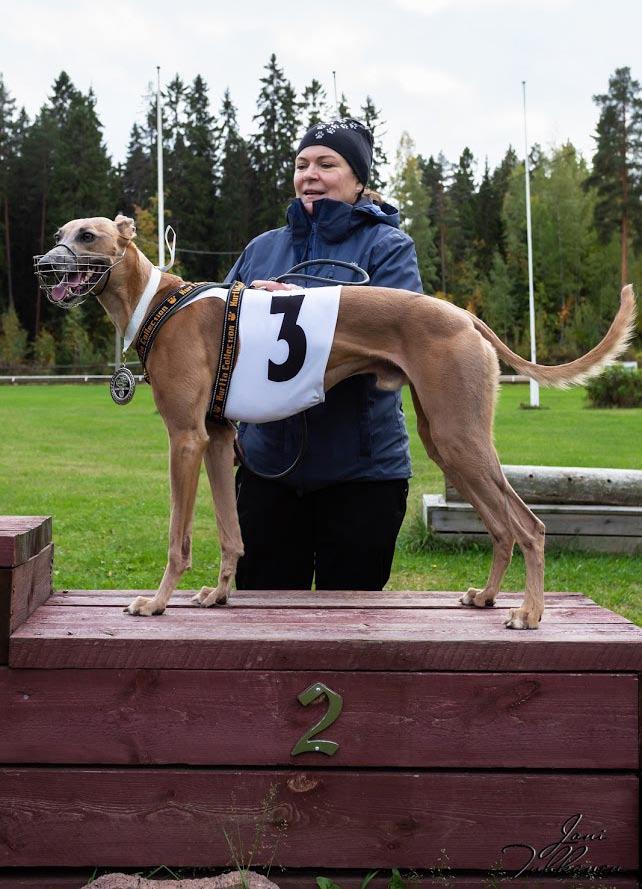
284, 344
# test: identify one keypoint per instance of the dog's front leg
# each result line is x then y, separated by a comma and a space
219, 462
186, 454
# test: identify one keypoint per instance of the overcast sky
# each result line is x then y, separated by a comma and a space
447, 71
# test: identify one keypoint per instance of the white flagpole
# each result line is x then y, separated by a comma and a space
534, 386
336, 101
161, 195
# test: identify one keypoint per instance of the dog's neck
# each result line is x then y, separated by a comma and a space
125, 291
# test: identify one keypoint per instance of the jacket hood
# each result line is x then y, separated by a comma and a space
335, 220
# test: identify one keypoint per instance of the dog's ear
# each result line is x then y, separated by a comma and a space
126, 226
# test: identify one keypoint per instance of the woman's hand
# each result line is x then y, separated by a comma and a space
270, 286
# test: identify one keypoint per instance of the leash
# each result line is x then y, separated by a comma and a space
353, 267
122, 388
295, 272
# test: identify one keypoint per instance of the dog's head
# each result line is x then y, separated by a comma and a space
85, 252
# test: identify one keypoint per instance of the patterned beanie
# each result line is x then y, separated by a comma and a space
349, 138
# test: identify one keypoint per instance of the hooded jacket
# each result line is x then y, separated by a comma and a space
359, 432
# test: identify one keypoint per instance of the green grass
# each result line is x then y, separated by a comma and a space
101, 471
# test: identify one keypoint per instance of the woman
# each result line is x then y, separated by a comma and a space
337, 516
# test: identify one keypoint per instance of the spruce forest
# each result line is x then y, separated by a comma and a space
222, 188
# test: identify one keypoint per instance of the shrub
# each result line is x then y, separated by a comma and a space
44, 350
13, 340
76, 349
616, 387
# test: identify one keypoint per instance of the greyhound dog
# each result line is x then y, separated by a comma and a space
448, 356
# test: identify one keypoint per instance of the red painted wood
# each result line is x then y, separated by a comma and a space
314, 599
366, 819
22, 537
307, 880
30, 585
22, 590
29, 879
463, 639
503, 720
448, 880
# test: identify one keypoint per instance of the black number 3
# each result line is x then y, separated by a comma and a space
294, 336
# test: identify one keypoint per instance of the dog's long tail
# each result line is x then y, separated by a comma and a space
615, 341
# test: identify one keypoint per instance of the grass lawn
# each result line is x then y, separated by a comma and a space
101, 471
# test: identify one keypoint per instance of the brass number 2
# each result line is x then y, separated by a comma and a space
335, 705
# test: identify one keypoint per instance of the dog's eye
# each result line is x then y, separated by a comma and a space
87, 237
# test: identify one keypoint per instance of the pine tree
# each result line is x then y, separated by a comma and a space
8, 150
498, 305
137, 176
343, 109
31, 228
234, 205
433, 177
413, 202
193, 191
617, 164
63, 172
463, 206
314, 105
371, 117
273, 145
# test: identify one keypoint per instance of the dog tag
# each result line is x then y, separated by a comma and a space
122, 385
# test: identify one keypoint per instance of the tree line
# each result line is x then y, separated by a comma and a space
222, 188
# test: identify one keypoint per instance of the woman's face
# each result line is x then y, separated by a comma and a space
320, 172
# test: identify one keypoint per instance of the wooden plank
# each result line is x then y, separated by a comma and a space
570, 484
47, 879
469, 639
537, 720
138, 817
582, 543
449, 880
306, 879
22, 537
583, 611
313, 599
560, 519
29, 585
22, 590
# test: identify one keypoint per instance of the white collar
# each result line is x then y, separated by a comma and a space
141, 309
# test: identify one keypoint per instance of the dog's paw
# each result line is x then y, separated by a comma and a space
209, 596
480, 598
142, 606
522, 619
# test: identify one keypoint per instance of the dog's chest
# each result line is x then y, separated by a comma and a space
284, 344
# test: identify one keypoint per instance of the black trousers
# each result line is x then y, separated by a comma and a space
343, 536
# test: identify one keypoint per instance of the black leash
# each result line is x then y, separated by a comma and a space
229, 343
295, 272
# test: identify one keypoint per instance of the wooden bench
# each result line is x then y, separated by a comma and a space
136, 742
583, 509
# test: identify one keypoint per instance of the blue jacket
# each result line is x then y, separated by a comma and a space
359, 432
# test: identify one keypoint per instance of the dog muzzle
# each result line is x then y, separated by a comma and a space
68, 279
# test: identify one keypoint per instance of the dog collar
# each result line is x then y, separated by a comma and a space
141, 309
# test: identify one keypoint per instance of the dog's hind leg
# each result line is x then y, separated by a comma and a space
219, 462
186, 454
460, 413
502, 541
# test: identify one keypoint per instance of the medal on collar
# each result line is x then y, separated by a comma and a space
122, 385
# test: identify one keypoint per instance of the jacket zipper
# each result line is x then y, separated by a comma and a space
313, 242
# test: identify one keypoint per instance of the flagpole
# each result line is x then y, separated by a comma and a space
160, 188
534, 385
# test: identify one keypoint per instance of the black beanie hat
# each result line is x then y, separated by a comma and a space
349, 138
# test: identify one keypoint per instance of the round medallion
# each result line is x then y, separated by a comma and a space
122, 385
